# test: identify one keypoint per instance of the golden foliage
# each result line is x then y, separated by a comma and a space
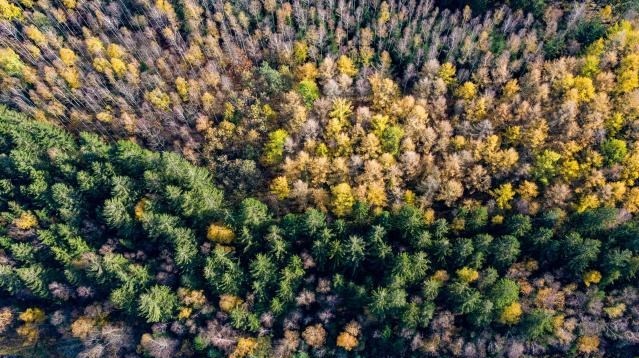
67, 56
184, 313
82, 327
10, 62
182, 88
101, 64
71, 76
503, 195
69, 4
9, 11
347, 341
229, 302
118, 66
245, 347
588, 344
591, 277
26, 221
220, 234
29, 332
140, 207
32, 315
447, 72
467, 91
115, 51
528, 190
280, 188
587, 202
467, 274
159, 99
342, 199
615, 311
345, 66
104, 117
511, 314
35, 35
376, 194
192, 298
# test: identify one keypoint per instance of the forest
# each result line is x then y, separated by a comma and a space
312, 178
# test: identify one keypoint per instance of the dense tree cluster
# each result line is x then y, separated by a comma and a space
97, 236
374, 94
319, 178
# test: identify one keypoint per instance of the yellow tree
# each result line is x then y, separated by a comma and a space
342, 199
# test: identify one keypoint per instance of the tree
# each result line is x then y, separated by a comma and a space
274, 82
511, 314
504, 251
467, 275
253, 214
157, 304
223, 273
280, 188
347, 341
384, 301
274, 148
537, 324
342, 200
579, 252
545, 167
504, 293
309, 91
614, 150
9, 11
315, 335
345, 66
10, 62
447, 72
220, 234
391, 139
503, 195
159, 347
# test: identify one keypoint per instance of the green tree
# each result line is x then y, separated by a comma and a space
503, 293
505, 251
537, 324
158, 304
391, 139
545, 167
309, 91
614, 150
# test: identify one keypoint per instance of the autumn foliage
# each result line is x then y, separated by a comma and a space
319, 178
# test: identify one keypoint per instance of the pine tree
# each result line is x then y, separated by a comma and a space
157, 304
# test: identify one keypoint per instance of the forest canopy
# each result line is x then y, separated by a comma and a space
319, 178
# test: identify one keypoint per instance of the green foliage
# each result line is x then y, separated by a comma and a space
536, 7
391, 139
546, 167
274, 81
503, 293
537, 324
157, 304
554, 48
415, 218
504, 251
588, 31
309, 91
223, 272
614, 150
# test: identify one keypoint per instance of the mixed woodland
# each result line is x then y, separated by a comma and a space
311, 178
